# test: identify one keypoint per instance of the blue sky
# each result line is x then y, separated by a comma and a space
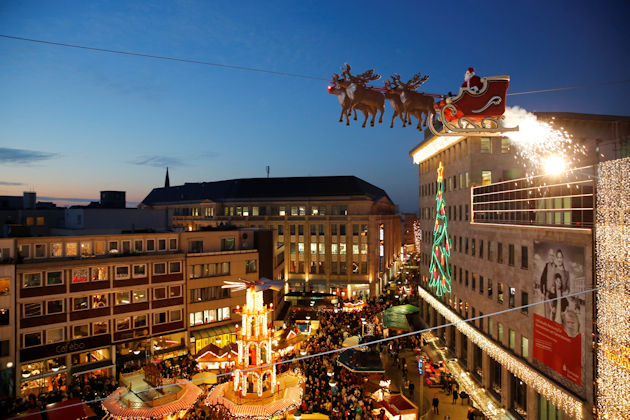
74, 122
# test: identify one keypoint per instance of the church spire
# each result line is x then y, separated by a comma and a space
167, 181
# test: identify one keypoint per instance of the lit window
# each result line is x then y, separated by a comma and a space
86, 249
282, 211
524, 347
55, 335
71, 250
99, 273
56, 249
123, 298
99, 301
32, 339
505, 145
486, 177
139, 296
99, 328
123, 324
80, 331
80, 275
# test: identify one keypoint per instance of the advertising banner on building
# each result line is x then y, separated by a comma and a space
559, 324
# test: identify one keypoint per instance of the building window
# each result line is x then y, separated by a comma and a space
176, 291
123, 298
113, 247
99, 301
140, 296
159, 293
161, 244
490, 288
472, 249
228, 244
195, 247
99, 247
80, 303
137, 245
99, 328
313, 230
160, 318
32, 310
342, 229
174, 267
251, 266
499, 292
524, 258
40, 250
123, 324
32, 280
500, 332
53, 278
500, 253
301, 248
486, 145
176, 315
524, 302
140, 270
505, 145
71, 249
81, 331
150, 245
24, 251
524, 347
54, 306
55, 335
32, 339
126, 247
282, 211
481, 284
122, 272
139, 321
486, 177
511, 254
56, 249
159, 268
512, 339
99, 273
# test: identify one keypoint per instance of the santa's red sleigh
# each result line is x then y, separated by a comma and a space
474, 112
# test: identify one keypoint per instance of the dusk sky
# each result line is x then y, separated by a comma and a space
74, 122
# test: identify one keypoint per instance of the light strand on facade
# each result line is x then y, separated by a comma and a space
538, 382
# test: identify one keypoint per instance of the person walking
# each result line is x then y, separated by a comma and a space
436, 404
455, 397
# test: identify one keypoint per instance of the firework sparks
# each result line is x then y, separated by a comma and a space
541, 147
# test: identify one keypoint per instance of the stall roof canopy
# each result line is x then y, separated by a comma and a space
213, 332
398, 317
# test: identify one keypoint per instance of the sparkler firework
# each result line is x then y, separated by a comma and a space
541, 147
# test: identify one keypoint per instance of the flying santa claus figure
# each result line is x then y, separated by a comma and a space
471, 80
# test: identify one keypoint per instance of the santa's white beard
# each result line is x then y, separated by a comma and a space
467, 76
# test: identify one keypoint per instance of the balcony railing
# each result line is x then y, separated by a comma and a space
564, 200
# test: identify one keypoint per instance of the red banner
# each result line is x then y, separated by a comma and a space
553, 347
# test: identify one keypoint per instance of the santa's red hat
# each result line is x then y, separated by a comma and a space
471, 69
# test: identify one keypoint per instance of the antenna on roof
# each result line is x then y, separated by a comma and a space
267, 168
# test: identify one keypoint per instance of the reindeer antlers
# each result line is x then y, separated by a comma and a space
362, 78
415, 82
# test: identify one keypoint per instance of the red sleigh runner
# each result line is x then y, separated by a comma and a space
474, 112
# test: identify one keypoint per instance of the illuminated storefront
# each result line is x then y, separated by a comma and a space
43, 376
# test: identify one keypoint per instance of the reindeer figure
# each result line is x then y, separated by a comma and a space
361, 96
393, 95
346, 104
415, 103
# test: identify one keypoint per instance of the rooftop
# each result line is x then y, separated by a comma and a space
265, 189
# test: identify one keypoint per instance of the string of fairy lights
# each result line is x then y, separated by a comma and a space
612, 271
529, 375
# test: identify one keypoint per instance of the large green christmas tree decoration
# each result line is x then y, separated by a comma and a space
439, 272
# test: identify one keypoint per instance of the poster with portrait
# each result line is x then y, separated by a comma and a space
559, 322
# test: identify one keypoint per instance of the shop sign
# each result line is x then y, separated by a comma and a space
73, 346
